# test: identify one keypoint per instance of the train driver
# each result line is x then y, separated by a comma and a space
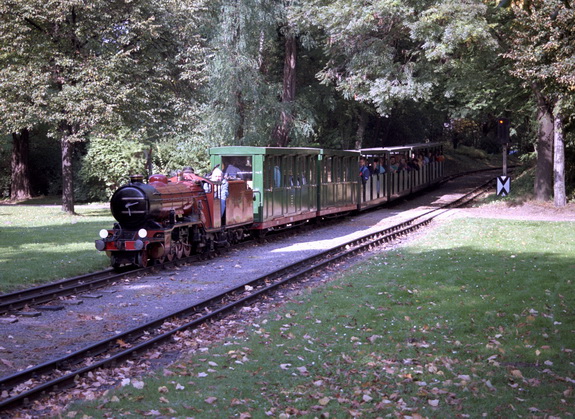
221, 185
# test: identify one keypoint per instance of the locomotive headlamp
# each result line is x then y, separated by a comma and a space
103, 233
142, 233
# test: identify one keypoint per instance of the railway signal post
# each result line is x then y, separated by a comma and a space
503, 128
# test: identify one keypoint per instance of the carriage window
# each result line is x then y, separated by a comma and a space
327, 169
300, 176
239, 167
312, 170
272, 172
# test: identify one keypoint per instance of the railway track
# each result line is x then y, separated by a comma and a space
35, 297
21, 388
48, 293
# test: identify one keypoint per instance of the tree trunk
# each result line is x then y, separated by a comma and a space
241, 113
559, 163
20, 188
67, 171
282, 131
361, 125
544, 172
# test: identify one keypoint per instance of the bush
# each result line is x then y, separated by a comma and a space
108, 163
171, 154
471, 152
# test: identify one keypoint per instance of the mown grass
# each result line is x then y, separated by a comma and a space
40, 243
475, 319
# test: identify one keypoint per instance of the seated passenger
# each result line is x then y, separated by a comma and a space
393, 165
230, 171
377, 168
402, 165
363, 171
187, 173
412, 164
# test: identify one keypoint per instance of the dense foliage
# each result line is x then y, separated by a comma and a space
157, 82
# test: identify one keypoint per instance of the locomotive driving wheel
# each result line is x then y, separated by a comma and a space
179, 250
187, 248
142, 259
170, 256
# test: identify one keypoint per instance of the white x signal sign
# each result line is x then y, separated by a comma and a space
503, 185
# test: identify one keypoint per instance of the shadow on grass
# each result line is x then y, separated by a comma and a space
54, 235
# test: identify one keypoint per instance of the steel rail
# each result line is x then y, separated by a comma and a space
35, 296
48, 292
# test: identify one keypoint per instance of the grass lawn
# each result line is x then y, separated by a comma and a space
39, 243
476, 319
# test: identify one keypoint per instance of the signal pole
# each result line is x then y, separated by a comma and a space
503, 125
503, 182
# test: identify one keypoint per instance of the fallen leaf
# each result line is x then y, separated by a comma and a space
122, 344
211, 400
516, 373
302, 370
7, 363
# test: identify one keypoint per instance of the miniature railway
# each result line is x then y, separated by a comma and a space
46, 293
35, 382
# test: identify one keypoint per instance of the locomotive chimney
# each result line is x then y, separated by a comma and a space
136, 178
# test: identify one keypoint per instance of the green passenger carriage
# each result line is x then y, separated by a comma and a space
284, 181
384, 187
339, 181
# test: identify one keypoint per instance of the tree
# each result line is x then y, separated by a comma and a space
408, 56
22, 94
241, 94
371, 56
101, 64
282, 131
542, 46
